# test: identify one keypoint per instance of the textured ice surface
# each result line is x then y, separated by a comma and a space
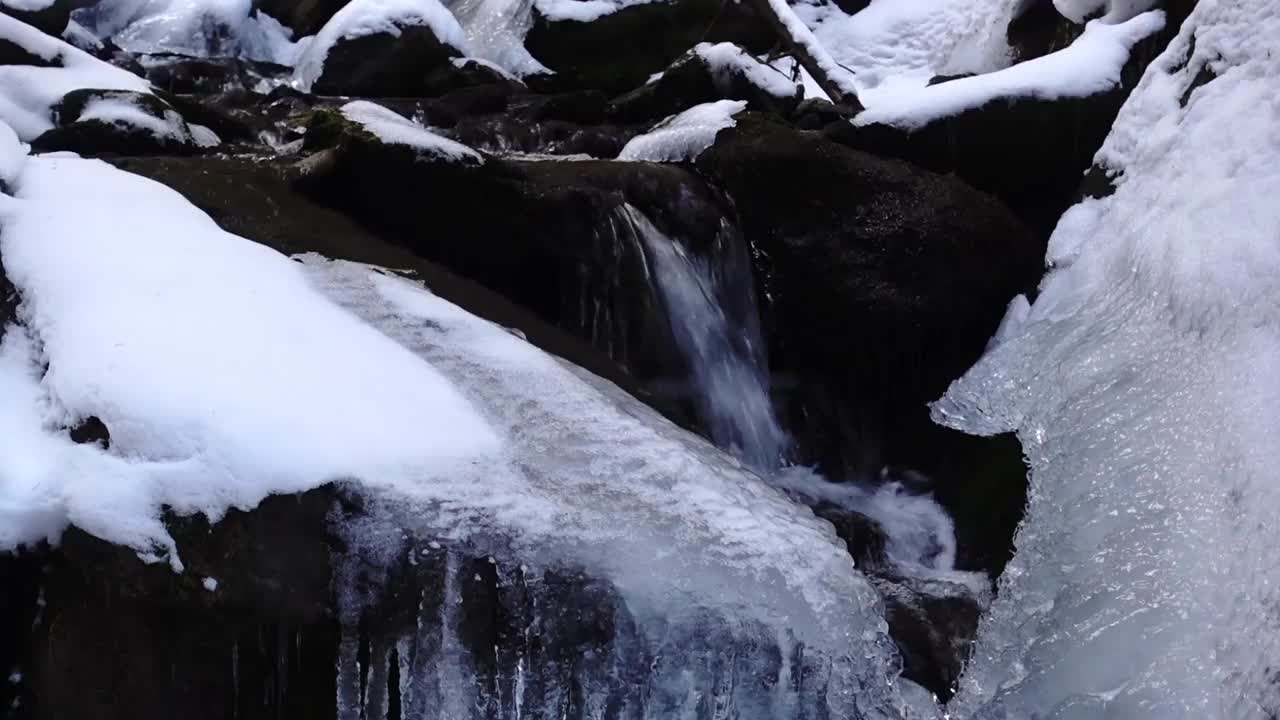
495, 31
1090, 65
1144, 383
369, 17
392, 128
192, 27
684, 136
589, 475
28, 93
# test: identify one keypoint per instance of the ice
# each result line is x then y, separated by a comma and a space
125, 112
190, 27
495, 31
1143, 385
592, 477
369, 17
684, 136
28, 93
395, 129
1090, 65
215, 393
203, 137
727, 60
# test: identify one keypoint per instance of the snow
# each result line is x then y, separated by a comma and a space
727, 61
583, 10
13, 156
125, 112
215, 393
684, 136
210, 584
1090, 65
1112, 11
841, 76
27, 5
907, 42
28, 93
395, 129
203, 28
1143, 383
495, 32
360, 18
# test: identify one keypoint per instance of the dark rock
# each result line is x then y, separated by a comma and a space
1039, 29
690, 81
459, 74
816, 113
865, 538
1029, 152
88, 136
915, 270
97, 137
385, 65
11, 53
183, 75
92, 430
933, 624
606, 54
304, 17
50, 20
852, 7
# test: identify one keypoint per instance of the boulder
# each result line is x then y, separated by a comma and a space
707, 73
886, 282
1029, 152
606, 52
185, 75
933, 623
48, 16
119, 122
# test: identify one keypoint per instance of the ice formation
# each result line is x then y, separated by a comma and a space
392, 128
1143, 384
193, 27
495, 32
684, 136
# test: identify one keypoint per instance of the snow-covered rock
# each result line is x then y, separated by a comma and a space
380, 48
709, 72
47, 16
1142, 384
53, 68
394, 129
93, 122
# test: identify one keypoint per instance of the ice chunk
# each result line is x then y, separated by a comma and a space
190, 27
495, 31
28, 92
395, 129
684, 136
1090, 65
369, 17
210, 584
1145, 387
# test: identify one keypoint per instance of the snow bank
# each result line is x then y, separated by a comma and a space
370, 17
28, 93
1144, 383
215, 392
726, 61
684, 136
392, 128
1090, 65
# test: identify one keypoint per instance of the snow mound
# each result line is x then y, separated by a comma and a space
1144, 383
726, 61
190, 27
1090, 65
215, 393
360, 18
29, 92
684, 136
394, 129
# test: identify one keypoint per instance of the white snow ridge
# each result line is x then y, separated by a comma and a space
1145, 385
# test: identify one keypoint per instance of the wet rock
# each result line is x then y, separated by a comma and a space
160, 129
51, 19
386, 64
933, 623
915, 269
462, 73
304, 17
605, 54
691, 80
183, 75
865, 538
1029, 152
